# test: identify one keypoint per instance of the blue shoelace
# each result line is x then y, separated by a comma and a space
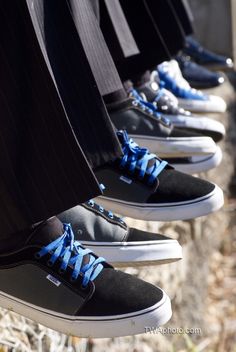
148, 107
72, 254
135, 157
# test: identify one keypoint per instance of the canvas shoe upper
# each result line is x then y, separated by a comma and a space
189, 98
110, 237
180, 118
150, 129
142, 186
55, 281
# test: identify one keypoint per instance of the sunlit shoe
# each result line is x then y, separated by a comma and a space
180, 118
142, 186
110, 237
189, 98
152, 130
55, 281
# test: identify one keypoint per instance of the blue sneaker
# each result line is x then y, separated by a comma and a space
206, 57
171, 78
198, 76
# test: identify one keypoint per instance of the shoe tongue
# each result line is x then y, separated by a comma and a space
122, 136
46, 232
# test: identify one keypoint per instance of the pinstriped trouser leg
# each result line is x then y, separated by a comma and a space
155, 28
43, 169
82, 68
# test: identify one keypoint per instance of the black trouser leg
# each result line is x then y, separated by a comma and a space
74, 51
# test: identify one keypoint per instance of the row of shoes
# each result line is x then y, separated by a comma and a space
168, 116
57, 281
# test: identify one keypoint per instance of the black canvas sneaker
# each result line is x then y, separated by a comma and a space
110, 237
166, 104
53, 280
152, 130
142, 186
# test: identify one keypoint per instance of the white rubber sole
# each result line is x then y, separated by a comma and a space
214, 104
176, 147
103, 327
137, 253
167, 211
197, 123
200, 163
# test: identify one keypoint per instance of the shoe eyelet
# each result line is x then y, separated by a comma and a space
110, 216
101, 209
50, 263
135, 103
90, 203
37, 255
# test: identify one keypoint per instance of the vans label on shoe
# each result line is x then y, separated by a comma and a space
126, 180
54, 280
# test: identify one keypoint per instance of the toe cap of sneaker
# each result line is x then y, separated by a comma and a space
175, 186
136, 235
118, 293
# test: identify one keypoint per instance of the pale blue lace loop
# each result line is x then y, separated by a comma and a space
72, 254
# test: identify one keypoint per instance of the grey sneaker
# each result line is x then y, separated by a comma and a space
53, 280
110, 237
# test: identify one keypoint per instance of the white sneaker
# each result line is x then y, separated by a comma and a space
190, 99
